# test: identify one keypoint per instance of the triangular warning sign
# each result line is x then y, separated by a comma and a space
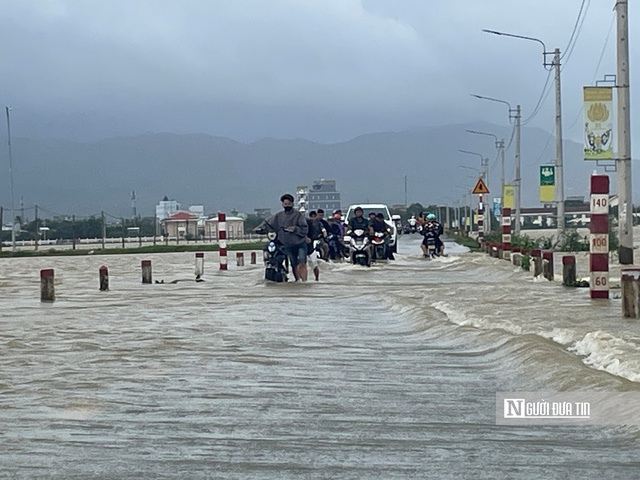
480, 188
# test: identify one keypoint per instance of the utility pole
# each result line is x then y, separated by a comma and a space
405, 191
625, 199
485, 176
104, 230
13, 211
517, 115
518, 180
559, 160
37, 232
500, 146
559, 164
448, 218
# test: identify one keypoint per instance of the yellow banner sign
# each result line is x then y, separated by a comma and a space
598, 123
547, 193
509, 196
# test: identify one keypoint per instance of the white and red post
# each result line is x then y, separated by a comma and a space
506, 233
222, 239
599, 237
480, 219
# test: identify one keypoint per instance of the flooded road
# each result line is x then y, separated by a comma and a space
382, 373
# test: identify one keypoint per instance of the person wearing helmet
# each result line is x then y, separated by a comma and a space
434, 228
378, 225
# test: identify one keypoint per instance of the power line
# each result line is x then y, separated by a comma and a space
543, 96
604, 47
576, 30
595, 73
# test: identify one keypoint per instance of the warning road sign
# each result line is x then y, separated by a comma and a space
480, 188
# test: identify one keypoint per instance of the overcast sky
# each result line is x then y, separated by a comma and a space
325, 70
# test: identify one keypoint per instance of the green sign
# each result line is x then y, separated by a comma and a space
547, 175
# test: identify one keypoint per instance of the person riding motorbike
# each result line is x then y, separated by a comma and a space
413, 224
335, 239
378, 225
358, 221
434, 228
316, 232
321, 219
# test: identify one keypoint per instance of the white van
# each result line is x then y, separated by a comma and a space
367, 208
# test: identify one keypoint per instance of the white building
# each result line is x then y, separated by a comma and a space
166, 208
302, 198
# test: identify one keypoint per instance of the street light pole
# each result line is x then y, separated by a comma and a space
13, 213
559, 161
625, 199
514, 114
518, 180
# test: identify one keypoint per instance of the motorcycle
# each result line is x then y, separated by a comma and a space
431, 244
336, 249
276, 262
360, 248
379, 241
318, 249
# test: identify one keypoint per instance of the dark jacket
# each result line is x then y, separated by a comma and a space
282, 220
315, 229
379, 225
358, 222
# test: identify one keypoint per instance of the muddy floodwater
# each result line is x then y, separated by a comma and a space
382, 373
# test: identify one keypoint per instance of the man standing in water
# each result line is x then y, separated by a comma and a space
292, 228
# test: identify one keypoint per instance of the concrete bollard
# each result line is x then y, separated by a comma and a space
199, 265
104, 278
536, 257
630, 279
547, 266
516, 258
47, 288
569, 271
240, 259
146, 271
253, 258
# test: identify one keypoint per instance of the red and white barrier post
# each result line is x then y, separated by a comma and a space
480, 220
506, 233
240, 259
253, 258
599, 237
222, 239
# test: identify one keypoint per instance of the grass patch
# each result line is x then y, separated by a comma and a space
469, 242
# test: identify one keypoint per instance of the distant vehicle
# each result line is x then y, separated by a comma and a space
384, 210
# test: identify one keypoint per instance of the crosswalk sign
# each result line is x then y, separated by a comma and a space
480, 188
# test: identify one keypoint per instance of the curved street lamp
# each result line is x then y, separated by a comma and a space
555, 64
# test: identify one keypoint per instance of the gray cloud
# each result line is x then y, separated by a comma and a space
326, 70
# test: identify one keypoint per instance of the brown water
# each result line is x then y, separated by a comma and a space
382, 373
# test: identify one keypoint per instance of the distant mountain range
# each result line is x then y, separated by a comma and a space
64, 177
